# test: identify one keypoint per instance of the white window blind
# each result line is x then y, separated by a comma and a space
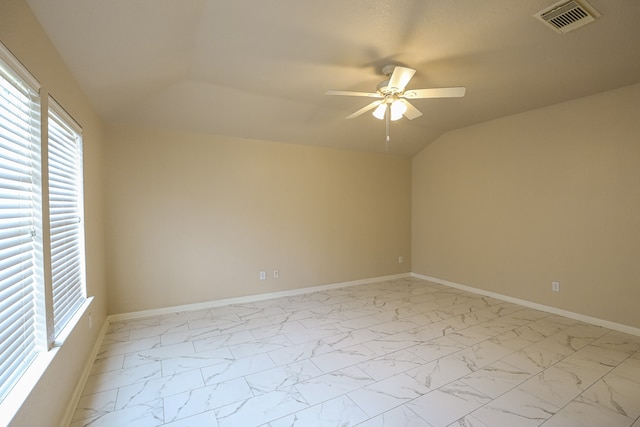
65, 216
19, 207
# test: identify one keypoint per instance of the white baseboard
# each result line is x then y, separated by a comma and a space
77, 393
248, 299
553, 310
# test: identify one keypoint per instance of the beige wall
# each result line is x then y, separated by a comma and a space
22, 34
553, 194
194, 218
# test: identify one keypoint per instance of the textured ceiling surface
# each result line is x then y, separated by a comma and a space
260, 69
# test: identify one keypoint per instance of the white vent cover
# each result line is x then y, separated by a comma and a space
568, 15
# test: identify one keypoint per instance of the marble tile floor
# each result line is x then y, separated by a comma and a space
405, 352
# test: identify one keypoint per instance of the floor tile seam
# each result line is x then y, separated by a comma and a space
614, 349
166, 422
147, 360
599, 406
267, 422
343, 395
156, 398
480, 367
569, 372
482, 322
402, 371
83, 419
388, 410
455, 329
203, 411
202, 376
590, 344
514, 413
630, 357
444, 385
235, 377
544, 368
104, 356
341, 368
91, 420
115, 403
106, 335
515, 388
579, 395
574, 398
452, 334
346, 396
538, 342
108, 350
187, 355
120, 386
491, 399
406, 297
515, 368
570, 346
244, 377
612, 374
428, 424
209, 328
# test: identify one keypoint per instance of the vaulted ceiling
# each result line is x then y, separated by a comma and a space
260, 69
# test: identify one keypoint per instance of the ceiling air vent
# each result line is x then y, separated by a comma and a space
568, 15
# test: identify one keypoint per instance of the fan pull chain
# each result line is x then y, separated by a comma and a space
388, 117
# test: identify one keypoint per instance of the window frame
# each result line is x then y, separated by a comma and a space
23, 83
58, 116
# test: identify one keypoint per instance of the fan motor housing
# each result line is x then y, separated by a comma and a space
384, 89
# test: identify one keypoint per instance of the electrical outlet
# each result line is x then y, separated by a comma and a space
400, 259
276, 274
263, 275
555, 286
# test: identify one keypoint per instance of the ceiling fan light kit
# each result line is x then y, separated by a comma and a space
398, 108
392, 98
380, 111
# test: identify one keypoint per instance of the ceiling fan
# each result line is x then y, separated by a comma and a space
392, 96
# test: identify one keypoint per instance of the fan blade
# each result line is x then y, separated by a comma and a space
412, 112
348, 93
444, 92
364, 109
400, 78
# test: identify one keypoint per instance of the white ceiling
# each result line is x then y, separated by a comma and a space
260, 69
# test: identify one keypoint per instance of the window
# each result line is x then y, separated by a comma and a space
19, 189
36, 303
65, 215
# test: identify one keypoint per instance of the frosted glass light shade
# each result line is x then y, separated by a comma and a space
397, 110
378, 113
